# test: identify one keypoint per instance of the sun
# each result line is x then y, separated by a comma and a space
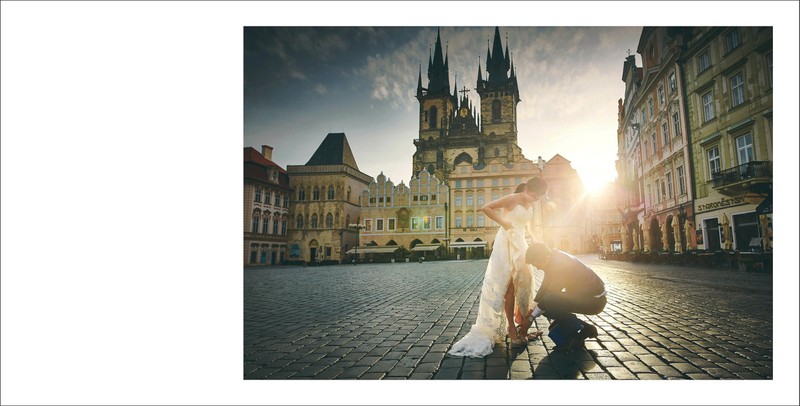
595, 180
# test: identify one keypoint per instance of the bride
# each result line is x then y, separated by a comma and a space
508, 280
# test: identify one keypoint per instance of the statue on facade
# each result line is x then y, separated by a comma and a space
635, 237
688, 228
624, 234
676, 232
664, 237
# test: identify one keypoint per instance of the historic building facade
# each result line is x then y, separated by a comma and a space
473, 149
266, 213
326, 200
728, 79
654, 146
400, 220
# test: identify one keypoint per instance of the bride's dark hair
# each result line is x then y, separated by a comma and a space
537, 185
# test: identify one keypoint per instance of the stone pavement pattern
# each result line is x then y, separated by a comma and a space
397, 321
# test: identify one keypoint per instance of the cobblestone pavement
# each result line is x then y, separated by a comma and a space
397, 321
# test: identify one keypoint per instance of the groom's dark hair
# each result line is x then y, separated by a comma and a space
536, 252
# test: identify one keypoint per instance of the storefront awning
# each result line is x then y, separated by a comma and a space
426, 247
472, 244
765, 207
373, 250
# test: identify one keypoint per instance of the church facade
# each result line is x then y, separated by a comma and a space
472, 147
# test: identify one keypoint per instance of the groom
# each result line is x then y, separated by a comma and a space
568, 287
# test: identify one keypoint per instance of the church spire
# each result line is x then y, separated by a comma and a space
438, 70
419, 82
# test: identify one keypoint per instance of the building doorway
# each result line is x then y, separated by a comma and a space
655, 236
713, 241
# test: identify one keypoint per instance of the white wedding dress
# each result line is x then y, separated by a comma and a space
506, 263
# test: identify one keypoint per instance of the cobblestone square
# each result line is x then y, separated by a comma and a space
389, 321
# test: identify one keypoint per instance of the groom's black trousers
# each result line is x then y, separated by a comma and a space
561, 306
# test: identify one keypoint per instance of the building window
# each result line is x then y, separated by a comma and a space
744, 147
439, 222
708, 106
267, 197
314, 221
676, 124
644, 115
301, 194
315, 194
379, 225
506, 182
665, 133
265, 226
681, 180
661, 95
283, 227
495, 182
480, 183
415, 223
469, 201
481, 199
650, 193
650, 107
330, 192
737, 89
673, 83
367, 224
258, 195
668, 177
299, 222
496, 152
470, 220
275, 226
458, 220
328, 220
426, 223
713, 160
254, 229
458, 200
391, 224
481, 220
469, 183
496, 111
458, 184
646, 149
732, 40
432, 117
769, 66
704, 61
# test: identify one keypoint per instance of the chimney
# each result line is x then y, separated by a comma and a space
266, 150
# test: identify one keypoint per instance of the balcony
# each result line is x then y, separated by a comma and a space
752, 177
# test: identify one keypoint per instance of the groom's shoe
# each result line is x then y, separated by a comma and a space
588, 331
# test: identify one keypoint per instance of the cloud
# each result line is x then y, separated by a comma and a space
321, 89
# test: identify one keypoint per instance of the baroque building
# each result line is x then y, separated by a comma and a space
266, 213
728, 79
326, 200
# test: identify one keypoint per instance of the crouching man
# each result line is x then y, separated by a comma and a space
568, 287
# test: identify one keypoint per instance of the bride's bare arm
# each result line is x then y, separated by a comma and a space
505, 202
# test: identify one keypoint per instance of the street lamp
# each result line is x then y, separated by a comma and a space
358, 228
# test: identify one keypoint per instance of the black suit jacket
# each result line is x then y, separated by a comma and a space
567, 272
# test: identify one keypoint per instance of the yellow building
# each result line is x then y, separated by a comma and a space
400, 220
728, 73
326, 201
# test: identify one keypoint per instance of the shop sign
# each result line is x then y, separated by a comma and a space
723, 202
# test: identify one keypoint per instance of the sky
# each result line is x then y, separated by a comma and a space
301, 83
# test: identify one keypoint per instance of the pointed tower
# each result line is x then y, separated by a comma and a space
499, 93
437, 106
